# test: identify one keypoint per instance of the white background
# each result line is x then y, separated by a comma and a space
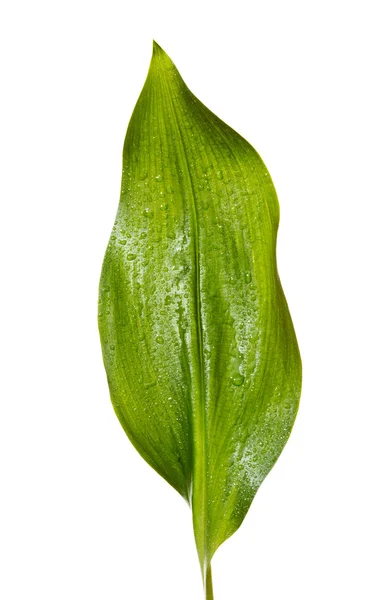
307, 83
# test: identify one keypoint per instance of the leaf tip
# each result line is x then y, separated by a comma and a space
159, 54
156, 48
161, 63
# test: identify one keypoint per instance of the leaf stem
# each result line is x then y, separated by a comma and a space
209, 584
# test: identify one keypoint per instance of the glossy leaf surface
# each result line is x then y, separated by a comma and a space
200, 352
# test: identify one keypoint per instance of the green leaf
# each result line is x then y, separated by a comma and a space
200, 352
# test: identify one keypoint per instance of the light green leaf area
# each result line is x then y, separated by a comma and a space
200, 352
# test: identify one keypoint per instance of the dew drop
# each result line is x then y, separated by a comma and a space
131, 256
123, 242
248, 277
159, 178
238, 380
159, 339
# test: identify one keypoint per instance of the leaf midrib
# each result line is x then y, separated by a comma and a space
200, 465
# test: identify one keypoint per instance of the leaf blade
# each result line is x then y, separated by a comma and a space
200, 351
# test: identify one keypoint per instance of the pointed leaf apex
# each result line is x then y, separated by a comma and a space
156, 48
160, 64
159, 53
